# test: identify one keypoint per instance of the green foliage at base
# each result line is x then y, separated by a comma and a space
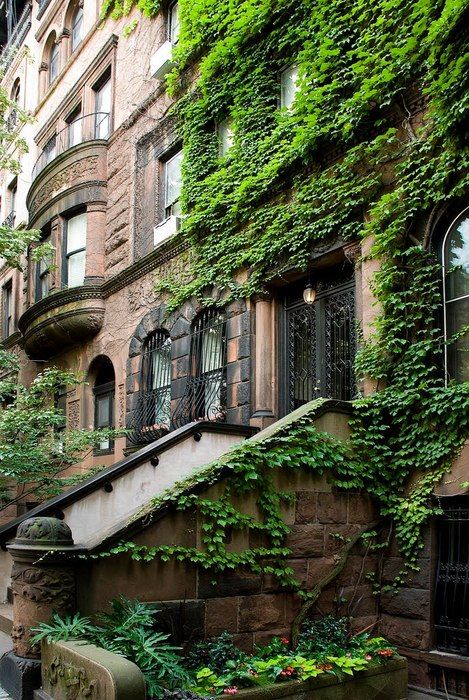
128, 630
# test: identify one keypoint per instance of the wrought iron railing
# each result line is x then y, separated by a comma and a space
91, 127
204, 398
451, 611
17, 37
10, 220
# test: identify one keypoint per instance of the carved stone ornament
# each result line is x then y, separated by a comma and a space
46, 531
86, 167
75, 681
43, 585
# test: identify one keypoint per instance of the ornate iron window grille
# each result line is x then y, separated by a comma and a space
151, 417
320, 345
451, 607
205, 395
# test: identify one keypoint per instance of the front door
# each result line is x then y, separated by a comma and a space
319, 343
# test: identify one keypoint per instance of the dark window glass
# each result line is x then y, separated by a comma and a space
104, 397
319, 342
77, 28
53, 63
8, 309
451, 612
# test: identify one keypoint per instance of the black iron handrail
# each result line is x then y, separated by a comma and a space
91, 127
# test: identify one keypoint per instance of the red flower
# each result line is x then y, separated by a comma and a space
230, 691
284, 640
386, 653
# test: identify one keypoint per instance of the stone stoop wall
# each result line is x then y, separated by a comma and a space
195, 603
250, 606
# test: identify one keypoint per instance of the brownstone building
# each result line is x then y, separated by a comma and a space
102, 181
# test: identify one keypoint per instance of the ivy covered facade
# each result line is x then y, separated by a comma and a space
272, 211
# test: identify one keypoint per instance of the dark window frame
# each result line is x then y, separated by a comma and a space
78, 12
108, 391
8, 308
291, 302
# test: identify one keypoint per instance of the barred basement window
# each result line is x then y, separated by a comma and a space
451, 612
151, 419
205, 396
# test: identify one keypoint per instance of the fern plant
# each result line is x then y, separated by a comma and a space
127, 630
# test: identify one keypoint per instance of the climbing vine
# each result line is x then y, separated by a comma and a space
375, 141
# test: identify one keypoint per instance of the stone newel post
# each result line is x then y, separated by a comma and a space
43, 582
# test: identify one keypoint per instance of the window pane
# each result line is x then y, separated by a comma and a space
289, 86
76, 233
76, 269
174, 23
172, 180
44, 286
74, 132
457, 315
225, 136
103, 110
77, 28
54, 63
103, 413
456, 260
212, 348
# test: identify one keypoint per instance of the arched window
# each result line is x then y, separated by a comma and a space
152, 415
104, 396
77, 28
205, 396
15, 91
52, 58
455, 264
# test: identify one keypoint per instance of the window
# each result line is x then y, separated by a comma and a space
12, 191
53, 62
103, 110
49, 151
75, 251
77, 28
451, 611
173, 23
205, 396
288, 86
455, 260
75, 125
318, 341
225, 136
172, 185
43, 275
59, 430
8, 320
104, 396
15, 93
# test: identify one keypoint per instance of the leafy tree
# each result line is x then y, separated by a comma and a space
35, 448
14, 242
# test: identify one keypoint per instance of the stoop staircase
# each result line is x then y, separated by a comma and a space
100, 508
